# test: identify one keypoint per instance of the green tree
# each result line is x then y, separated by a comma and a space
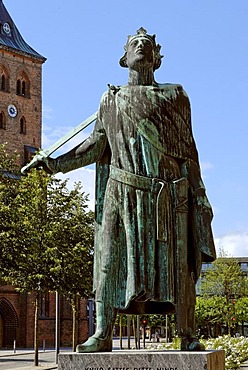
209, 313
222, 286
8, 192
241, 311
47, 239
73, 227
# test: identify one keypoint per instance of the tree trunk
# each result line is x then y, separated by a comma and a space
128, 332
120, 331
135, 333
74, 322
228, 329
36, 330
209, 331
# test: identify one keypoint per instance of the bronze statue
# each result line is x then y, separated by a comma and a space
153, 219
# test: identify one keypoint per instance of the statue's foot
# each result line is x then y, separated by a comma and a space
95, 344
196, 346
191, 344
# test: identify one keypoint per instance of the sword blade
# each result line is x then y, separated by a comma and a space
47, 152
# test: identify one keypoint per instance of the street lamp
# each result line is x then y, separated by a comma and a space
144, 322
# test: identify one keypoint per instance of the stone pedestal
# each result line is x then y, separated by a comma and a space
143, 360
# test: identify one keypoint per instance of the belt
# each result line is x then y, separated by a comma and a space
137, 181
154, 185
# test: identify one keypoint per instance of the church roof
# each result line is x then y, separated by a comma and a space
10, 37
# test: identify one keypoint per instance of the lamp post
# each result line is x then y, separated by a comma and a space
57, 328
144, 322
138, 331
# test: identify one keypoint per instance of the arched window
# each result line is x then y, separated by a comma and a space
4, 79
44, 304
2, 121
10, 321
18, 87
3, 83
23, 85
22, 126
23, 88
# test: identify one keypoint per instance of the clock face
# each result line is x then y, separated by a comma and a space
12, 110
6, 28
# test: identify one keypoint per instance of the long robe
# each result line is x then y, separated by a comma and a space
143, 131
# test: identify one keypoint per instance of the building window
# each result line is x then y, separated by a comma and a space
22, 85
2, 121
29, 153
3, 82
4, 79
44, 304
66, 308
23, 126
23, 88
206, 266
244, 266
18, 87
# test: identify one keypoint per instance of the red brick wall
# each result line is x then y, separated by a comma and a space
28, 107
16, 302
23, 305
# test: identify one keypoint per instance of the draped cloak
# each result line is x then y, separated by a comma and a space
143, 131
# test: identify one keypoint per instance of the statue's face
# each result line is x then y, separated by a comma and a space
140, 53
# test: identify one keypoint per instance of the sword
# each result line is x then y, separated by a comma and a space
47, 152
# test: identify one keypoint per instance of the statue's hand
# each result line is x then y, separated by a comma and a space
40, 161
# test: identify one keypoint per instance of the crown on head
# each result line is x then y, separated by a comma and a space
140, 32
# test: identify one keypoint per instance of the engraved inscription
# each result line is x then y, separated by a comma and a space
128, 368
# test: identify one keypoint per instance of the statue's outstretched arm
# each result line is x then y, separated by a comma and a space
89, 151
83, 154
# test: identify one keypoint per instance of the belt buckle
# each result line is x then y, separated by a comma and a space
157, 185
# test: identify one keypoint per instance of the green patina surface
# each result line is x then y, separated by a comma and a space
153, 219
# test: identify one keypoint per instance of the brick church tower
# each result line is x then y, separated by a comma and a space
20, 90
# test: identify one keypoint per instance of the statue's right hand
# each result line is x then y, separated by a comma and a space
39, 161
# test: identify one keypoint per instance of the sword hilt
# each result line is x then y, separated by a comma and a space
38, 159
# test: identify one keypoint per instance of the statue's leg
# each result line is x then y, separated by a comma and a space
105, 288
181, 258
101, 341
185, 280
190, 341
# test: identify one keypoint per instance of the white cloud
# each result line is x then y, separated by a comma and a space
235, 244
206, 166
86, 175
87, 178
47, 112
50, 135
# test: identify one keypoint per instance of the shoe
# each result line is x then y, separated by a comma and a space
94, 344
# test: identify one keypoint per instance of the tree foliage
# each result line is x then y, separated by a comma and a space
209, 314
8, 192
223, 279
46, 233
73, 228
223, 290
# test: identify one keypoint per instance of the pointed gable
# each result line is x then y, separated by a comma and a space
10, 37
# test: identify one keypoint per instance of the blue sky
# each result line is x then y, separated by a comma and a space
205, 48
